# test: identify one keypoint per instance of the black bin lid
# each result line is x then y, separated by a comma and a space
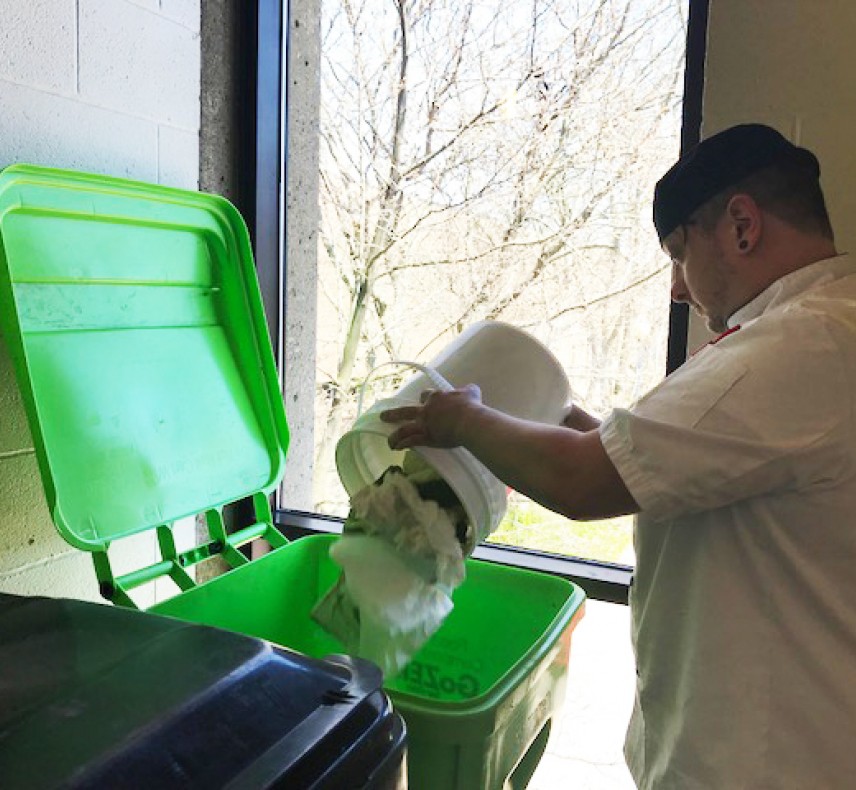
93, 696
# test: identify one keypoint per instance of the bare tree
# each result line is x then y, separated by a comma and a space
490, 160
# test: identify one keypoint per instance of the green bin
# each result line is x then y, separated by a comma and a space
475, 698
134, 322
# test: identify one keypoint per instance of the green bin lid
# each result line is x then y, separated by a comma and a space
135, 325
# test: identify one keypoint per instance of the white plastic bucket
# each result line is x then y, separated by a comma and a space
517, 375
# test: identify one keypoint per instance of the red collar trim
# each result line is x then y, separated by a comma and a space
726, 333
715, 340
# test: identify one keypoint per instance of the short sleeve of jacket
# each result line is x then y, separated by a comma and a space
767, 410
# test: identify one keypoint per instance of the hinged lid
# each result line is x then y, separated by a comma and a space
134, 321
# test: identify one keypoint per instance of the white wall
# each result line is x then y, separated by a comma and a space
789, 64
105, 86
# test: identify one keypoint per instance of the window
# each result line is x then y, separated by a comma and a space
494, 160
523, 195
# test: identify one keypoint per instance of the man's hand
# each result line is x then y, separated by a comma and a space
440, 421
579, 420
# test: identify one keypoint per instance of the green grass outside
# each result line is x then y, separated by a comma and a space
534, 527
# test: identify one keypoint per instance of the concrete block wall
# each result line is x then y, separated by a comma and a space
110, 87
301, 277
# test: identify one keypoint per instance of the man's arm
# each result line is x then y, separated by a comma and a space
564, 469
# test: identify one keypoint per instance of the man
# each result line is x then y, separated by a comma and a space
742, 468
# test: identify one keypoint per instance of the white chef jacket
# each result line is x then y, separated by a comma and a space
743, 463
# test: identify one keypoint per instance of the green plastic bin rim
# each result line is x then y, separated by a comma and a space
546, 648
133, 319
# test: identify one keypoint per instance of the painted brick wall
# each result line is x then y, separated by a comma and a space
105, 86
788, 63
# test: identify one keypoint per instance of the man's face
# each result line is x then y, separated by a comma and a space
700, 274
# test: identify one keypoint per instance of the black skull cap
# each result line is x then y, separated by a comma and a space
717, 163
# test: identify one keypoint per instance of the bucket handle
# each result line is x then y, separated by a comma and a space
433, 376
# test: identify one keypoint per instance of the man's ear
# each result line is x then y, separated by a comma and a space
744, 223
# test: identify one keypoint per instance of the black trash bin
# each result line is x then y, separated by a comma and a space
97, 697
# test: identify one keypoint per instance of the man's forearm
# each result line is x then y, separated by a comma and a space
565, 470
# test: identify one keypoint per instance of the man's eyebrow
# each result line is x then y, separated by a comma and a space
676, 246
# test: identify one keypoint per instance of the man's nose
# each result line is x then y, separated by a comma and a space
679, 287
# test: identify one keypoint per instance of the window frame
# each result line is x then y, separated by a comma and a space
265, 162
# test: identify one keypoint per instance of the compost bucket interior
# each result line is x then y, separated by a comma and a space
500, 615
